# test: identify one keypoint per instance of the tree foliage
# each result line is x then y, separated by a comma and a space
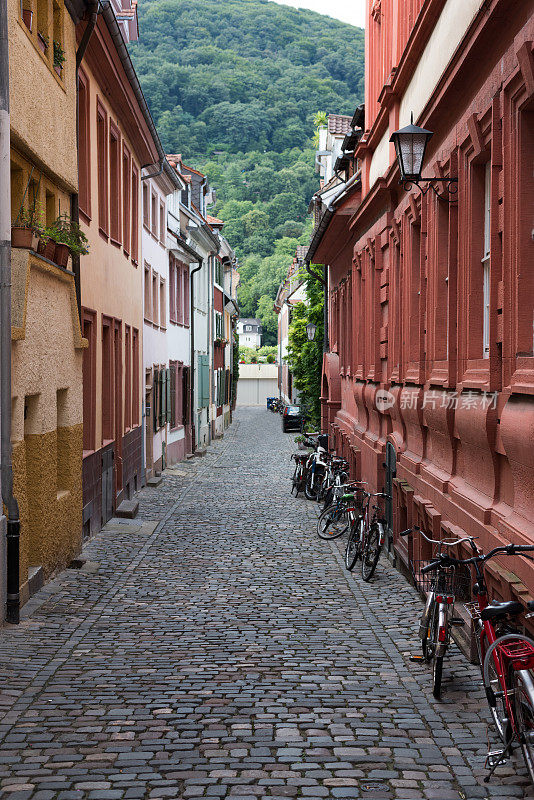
305, 358
235, 86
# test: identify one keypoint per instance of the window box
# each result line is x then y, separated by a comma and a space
21, 237
61, 255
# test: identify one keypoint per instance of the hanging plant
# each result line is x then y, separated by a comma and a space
27, 225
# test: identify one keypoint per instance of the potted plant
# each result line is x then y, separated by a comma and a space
26, 225
27, 17
42, 41
68, 238
59, 57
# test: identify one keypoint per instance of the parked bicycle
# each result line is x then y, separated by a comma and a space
366, 536
442, 585
345, 508
316, 468
506, 657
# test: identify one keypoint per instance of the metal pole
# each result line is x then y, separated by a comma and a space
10, 502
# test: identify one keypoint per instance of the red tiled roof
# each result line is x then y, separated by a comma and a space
214, 220
193, 170
339, 124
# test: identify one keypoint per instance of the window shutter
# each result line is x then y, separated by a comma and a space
162, 398
206, 380
155, 399
169, 394
185, 396
172, 390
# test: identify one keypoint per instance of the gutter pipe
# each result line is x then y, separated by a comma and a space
192, 341
9, 499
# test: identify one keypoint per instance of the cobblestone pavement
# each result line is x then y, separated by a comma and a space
215, 647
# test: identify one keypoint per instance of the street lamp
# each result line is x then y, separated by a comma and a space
410, 145
310, 330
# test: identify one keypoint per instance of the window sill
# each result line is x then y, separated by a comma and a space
103, 233
115, 242
126, 253
84, 215
145, 226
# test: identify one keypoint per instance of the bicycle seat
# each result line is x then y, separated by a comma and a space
498, 610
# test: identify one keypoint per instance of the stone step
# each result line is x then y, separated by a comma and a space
128, 509
155, 481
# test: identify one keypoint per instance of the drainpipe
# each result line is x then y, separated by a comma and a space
192, 340
10, 501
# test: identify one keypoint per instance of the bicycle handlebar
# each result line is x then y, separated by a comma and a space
450, 561
469, 539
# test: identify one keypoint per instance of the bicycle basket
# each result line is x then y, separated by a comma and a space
450, 581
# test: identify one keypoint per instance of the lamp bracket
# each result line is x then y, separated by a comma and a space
448, 191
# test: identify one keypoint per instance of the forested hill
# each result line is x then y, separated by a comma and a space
234, 85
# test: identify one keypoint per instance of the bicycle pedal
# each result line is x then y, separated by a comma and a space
417, 658
457, 621
496, 757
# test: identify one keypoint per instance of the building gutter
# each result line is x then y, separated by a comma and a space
192, 343
9, 499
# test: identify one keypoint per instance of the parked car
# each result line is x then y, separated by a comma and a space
292, 418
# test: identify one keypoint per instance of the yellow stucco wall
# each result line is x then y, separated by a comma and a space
47, 427
111, 284
43, 105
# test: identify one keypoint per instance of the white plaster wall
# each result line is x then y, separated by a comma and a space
448, 32
380, 160
156, 255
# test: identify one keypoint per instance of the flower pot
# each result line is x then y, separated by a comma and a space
21, 237
49, 250
41, 41
61, 256
27, 17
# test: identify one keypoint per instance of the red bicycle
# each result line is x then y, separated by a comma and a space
506, 657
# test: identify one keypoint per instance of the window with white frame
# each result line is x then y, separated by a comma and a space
486, 263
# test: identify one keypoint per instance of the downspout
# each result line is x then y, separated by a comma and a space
192, 341
9, 499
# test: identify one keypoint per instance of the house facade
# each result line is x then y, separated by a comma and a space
159, 383
117, 139
250, 332
428, 382
292, 290
47, 343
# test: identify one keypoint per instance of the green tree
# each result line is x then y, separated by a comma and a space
305, 358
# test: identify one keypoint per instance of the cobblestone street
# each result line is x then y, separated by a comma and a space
216, 647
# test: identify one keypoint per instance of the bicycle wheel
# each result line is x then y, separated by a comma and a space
522, 682
437, 672
297, 477
371, 553
309, 490
352, 551
333, 522
429, 638
498, 710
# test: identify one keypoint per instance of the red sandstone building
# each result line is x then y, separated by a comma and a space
433, 301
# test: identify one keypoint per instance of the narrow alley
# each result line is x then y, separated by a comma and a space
216, 647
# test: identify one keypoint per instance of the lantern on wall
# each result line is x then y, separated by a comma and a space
310, 330
410, 146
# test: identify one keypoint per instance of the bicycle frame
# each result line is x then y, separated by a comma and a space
504, 658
